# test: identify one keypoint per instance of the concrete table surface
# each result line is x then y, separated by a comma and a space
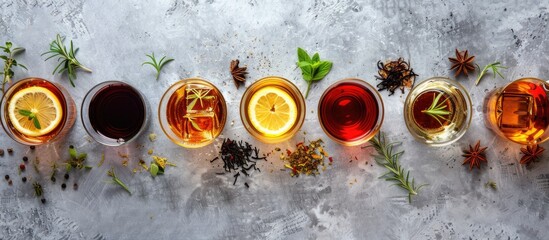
347, 201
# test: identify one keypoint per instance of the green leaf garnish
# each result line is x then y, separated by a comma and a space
66, 58
438, 110
77, 160
495, 69
9, 62
153, 169
31, 116
198, 95
312, 69
158, 65
116, 180
36, 123
386, 158
25, 113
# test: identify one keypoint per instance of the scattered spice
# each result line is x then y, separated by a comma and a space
43, 200
7, 177
475, 156
63, 186
75, 186
25, 159
22, 167
32, 147
491, 184
238, 156
37, 189
10, 151
24, 179
152, 137
52, 178
395, 74
1, 152
531, 154
386, 158
66, 176
462, 63
76, 160
238, 73
10, 182
305, 159
102, 160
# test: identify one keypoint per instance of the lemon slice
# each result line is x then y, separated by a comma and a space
272, 111
40, 101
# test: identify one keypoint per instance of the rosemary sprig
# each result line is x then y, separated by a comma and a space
386, 158
116, 180
67, 58
9, 62
495, 69
157, 65
32, 117
437, 110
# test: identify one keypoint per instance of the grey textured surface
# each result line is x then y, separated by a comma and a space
347, 201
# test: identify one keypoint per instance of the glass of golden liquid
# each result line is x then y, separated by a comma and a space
272, 109
36, 111
519, 111
192, 113
438, 111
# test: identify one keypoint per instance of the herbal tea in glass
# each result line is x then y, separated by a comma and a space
114, 113
272, 109
192, 113
438, 111
36, 111
350, 112
519, 111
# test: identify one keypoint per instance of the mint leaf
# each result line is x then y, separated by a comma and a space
302, 55
316, 58
25, 113
323, 70
307, 72
36, 123
153, 169
72, 152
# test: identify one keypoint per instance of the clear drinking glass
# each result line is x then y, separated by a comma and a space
192, 113
115, 113
438, 111
350, 111
519, 111
36, 111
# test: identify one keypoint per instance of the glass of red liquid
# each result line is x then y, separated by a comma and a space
114, 113
350, 111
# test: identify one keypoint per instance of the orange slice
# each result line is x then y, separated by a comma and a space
40, 101
272, 111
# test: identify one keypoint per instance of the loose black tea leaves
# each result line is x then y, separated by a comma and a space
395, 74
240, 157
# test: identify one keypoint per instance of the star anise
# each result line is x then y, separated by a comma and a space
531, 153
474, 156
239, 73
462, 63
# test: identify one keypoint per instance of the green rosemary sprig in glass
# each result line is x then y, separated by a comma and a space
9, 62
32, 117
116, 180
198, 95
495, 69
67, 58
438, 110
386, 158
157, 65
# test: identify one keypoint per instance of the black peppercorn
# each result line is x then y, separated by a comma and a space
1, 152
63, 186
43, 200
52, 178
7, 177
25, 158
24, 179
75, 186
32, 147
66, 176
10, 151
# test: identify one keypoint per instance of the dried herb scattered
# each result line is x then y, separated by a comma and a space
475, 156
395, 74
495, 69
306, 159
76, 160
462, 63
38, 191
117, 181
312, 68
386, 158
238, 73
531, 154
10, 151
67, 58
492, 185
239, 157
157, 65
9, 62
158, 165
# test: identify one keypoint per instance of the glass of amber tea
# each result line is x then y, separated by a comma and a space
350, 111
192, 113
272, 109
519, 111
114, 113
36, 111
438, 111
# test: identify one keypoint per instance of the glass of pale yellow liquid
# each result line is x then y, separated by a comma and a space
519, 111
272, 109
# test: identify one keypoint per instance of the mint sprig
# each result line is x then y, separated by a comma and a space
32, 117
312, 69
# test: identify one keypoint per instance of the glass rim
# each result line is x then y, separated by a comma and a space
380, 117
65, 101
466, 97
288, 86
163, 105
98, 137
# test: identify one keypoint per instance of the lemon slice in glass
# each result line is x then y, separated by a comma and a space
42, 103
272, 111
